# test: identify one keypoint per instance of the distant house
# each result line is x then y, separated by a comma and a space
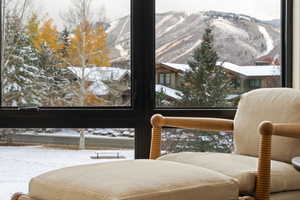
168, 79
244, 78
109, 83
169, 74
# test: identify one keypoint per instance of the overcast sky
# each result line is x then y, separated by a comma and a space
261, 9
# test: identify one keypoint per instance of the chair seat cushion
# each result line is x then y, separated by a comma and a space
243, 168
292, 195
133, 180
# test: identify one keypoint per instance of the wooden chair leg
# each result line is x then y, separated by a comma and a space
155, 143
263, 181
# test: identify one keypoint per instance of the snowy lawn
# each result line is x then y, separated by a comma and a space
19, 164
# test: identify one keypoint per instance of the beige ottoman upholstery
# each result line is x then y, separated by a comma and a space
242, 168
134, 180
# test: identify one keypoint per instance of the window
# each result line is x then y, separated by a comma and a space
168, 79
212, 44
162, 79
75, 56
141, 57
165, 79
236, 83
254, 83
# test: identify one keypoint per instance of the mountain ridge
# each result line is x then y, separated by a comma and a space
239, 38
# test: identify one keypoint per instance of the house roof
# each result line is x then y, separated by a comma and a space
181, 67
168, 91
252, 71
249, 71
99, 73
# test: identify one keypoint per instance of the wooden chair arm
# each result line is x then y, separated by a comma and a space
20, 196
286, 129
267, 130
209, 124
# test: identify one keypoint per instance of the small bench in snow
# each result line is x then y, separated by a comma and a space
107, 155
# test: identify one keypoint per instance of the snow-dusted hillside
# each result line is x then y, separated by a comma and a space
239, 39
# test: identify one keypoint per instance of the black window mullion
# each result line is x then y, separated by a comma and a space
287, 42
143, 18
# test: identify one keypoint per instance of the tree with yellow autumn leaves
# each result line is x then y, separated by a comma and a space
87, 47
43, 35
88, 42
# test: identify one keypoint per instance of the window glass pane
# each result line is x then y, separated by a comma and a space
66, 53
26, 153
187, 140
254, 83
161, 79
168, 79
215, 49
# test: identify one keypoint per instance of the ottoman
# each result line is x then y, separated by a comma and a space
133, 180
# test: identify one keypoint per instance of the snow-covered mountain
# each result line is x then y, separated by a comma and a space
239, 39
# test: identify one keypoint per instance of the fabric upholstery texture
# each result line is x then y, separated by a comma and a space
133, 180
293, 195
243, 168
278, 105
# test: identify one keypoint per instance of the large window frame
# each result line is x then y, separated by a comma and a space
143, 87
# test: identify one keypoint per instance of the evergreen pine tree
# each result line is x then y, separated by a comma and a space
65, 39
54, 80
206, 83
54, 84
20, 72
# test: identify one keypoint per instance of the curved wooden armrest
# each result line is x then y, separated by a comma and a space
209, 124
286, 129
20, 196
267, 130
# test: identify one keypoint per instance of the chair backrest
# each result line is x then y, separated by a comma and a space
278, 105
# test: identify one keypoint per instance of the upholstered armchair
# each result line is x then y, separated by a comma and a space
266, 132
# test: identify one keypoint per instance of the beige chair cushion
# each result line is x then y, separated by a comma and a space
133, 180
243, 168
275, 105
294, 195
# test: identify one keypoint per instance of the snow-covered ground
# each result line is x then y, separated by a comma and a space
19, 164
176, 94
95, 133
